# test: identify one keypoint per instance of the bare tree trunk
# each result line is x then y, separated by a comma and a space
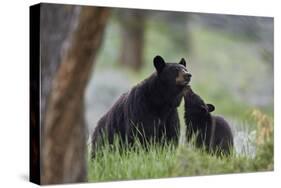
56, 25
132, 23
64, 148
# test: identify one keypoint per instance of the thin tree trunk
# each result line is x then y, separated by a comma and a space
132, 23
64, 148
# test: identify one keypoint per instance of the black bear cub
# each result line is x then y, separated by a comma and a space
149, 110
213, 132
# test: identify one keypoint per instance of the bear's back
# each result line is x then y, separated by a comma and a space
223, 135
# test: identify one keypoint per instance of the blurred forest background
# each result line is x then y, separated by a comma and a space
92, 55
230, 58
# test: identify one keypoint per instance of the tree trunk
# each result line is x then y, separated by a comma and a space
56, 22
132, 23
64, 147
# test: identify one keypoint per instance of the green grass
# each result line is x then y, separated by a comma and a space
134, 163
169, 161
193, 162
184, 160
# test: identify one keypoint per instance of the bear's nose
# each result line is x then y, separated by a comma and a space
187, 76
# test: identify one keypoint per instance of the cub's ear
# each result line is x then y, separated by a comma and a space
203, 109
211, 107
182, 62
159, 63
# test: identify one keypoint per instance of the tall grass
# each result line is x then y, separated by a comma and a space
113, 162
116, 162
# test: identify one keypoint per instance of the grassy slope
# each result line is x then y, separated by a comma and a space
168, 161
138, 164
185, 160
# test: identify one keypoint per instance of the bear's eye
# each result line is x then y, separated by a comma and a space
184, 69
181, 70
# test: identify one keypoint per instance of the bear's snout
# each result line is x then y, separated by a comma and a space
187, 76
183, 78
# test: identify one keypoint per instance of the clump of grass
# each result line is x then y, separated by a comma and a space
115, 162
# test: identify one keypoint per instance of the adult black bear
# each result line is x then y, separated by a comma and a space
213, 132
149, 110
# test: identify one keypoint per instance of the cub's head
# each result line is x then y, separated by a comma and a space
172, 75
195, 106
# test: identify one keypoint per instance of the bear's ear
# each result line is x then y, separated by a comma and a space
211, 107
182, 62
159, 63
203, 109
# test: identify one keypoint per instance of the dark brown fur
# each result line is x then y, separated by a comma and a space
148, 111
213, 132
